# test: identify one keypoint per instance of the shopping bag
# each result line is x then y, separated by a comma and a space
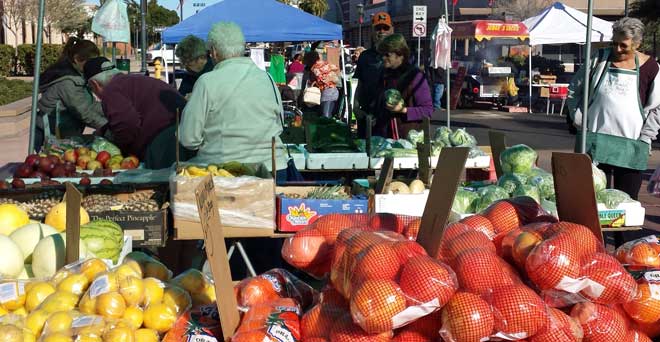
111, 22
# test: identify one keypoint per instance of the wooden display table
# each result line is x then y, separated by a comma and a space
189, 230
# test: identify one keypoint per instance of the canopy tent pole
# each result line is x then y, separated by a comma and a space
37, 69
447, 76
529, 78
587, 81
143, 36
343, 81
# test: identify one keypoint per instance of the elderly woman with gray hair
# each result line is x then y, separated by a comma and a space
195, 58
624, 107
234, 110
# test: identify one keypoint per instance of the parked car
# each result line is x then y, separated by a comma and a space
157, 54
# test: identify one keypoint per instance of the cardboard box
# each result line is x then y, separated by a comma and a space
146, 228
624, 215
293, 214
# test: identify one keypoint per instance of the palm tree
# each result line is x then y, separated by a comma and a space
315, 7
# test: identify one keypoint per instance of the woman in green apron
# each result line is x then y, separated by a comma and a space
624, 107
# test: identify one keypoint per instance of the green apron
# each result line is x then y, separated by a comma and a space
612, 143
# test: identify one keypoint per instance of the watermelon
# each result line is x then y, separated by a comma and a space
103, 238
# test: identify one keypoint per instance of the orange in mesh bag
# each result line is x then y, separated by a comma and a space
200, 323
273, 285
609, 283
640, 254
317, 322
561, 327
599, 323
276, 321
311, 249
467, 317
645, 307
385, 290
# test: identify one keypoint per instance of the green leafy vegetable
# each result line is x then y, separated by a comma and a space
518, 159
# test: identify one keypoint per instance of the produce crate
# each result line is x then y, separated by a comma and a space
337, 161
624, 215
294, 214
244, 202
482, 162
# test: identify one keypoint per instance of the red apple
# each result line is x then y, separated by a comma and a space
103, 157
105, 182
18, 183
71, 155
128, 163
58, 171
55, 159
46, 164
83, 160
4, 185
82, 151
70, 168
93, 165
32, 160
38, 174
85, 181
23, 171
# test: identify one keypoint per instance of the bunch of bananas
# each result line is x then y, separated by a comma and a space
198, 171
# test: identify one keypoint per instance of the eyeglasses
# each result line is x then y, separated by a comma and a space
381, 28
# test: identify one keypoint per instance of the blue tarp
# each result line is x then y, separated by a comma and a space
260, 20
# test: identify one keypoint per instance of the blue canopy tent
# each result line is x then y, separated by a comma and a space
261, 21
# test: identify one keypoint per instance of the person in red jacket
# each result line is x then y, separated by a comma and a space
140, 111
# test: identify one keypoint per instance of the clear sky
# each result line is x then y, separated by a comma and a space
188, 6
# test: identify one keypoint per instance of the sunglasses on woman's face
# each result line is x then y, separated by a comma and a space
381, 28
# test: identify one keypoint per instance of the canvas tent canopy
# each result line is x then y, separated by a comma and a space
261, 21
561, 24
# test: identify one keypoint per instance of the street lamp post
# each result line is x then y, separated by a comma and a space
360, 10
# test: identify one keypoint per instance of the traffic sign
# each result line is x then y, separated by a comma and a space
419, 21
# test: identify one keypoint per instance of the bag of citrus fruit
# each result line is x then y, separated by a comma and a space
645, 307
274, 321
272, 285
201, 323
74, 326
388, 280
311, 249
13, 297
318, 321
12, 329
198, 284
640, 253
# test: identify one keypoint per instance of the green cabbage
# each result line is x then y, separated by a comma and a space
464, 201
600, 179
527, 190
510, 182
101, 144
415, 137
441, 135
488, 195
461, 137
393, 97
611, 198
518, 159
436, 148
544, 181
404, 144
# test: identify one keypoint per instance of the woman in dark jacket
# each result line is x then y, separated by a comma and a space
394, 120
66, 105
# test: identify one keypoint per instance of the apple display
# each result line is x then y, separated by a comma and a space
83, 160
71, 155
103, 157
93, 165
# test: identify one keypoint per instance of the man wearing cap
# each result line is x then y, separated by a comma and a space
369, 70
140, 111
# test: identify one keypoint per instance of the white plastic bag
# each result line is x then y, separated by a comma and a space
111, 22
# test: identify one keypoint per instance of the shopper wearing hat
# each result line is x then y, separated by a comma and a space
140, 111
369, 70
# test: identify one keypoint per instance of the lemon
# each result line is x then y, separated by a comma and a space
134, 316
59, 276
92, 268
10, 333
11, 218
135, 266
177, 298
123, 334
60, 301
36, 293
58, 322
29, 336
191, 280
110, 305
132, 289
17, 302
127, 270
88, 338
159, 317
20, 312
146, 335
87, 305
207, 296
153, 291
90, 333
3, 311
57, 337
35, 321
157, 270
75, 283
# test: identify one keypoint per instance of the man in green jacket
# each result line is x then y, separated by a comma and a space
234, 111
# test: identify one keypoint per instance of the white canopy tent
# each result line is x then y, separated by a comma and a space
561, 24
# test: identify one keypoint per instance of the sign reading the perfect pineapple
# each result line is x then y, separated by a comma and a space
216, 252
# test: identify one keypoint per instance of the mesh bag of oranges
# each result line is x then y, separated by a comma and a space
644, 308
311, 249
274, 321
640, 253
388, 280
272, 285
201, 323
